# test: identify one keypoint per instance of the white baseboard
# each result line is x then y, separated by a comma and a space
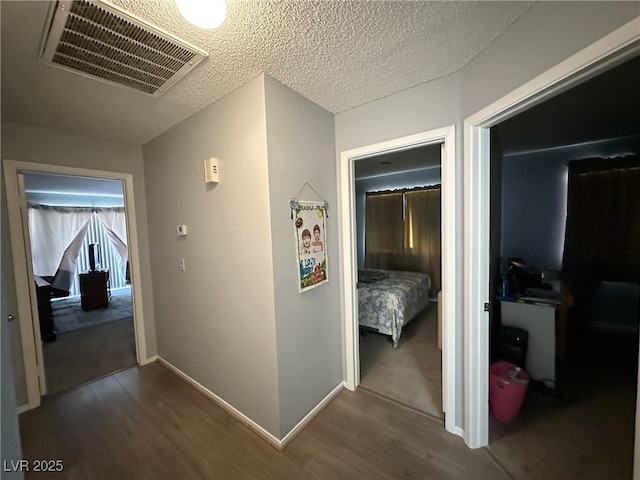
309, 416
229, 408
277, 443
149, 360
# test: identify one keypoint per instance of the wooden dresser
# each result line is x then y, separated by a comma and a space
94, 289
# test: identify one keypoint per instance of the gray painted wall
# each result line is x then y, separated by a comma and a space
546, 34
300, 144
250, 337
33, 144
216, 320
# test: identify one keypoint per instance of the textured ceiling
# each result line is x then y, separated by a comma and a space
339, 54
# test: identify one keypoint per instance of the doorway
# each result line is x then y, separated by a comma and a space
84, 300
601, 55
408, 371
32, 351
348, 257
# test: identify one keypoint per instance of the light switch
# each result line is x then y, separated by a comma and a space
181, 230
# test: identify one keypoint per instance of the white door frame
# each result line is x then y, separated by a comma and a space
23, 270
348, 256
614, 48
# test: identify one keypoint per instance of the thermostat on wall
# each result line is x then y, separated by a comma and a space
181, 230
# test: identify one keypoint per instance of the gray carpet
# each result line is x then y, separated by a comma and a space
87, 354
68, 315
410, 374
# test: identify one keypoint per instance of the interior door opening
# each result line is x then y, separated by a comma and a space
85, 310
398, 217
29, 324
349, 252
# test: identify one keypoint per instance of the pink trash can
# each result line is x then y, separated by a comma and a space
507, 388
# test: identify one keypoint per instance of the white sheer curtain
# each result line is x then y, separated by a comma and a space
56, 235
115, 221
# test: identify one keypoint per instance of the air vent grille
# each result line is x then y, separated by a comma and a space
96, 39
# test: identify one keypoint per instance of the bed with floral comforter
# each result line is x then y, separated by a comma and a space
389, 299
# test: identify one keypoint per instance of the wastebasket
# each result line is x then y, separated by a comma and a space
507, 388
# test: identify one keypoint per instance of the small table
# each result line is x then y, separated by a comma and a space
94, 289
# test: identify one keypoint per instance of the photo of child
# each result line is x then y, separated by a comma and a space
305, 248
317, 244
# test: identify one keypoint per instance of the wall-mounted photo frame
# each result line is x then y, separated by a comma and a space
309, 227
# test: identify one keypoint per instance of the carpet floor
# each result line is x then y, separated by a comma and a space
410, 374
91, 344
68, 315
582, 429
88, 354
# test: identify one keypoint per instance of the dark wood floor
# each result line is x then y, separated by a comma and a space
146, 423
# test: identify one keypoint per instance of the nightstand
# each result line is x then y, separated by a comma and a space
94, 289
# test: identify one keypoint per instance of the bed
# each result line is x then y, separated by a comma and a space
389, 299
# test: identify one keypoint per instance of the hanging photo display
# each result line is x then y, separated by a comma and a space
311, 242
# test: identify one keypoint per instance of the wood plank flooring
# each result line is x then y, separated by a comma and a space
146, 423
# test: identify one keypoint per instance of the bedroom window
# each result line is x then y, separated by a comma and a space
60, 237
403, 232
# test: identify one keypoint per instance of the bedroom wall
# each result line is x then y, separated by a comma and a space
216, 320
40, 145
534, 189
394, 181
546, 34
300, 144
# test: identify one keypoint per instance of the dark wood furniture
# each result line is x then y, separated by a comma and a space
45, 312
94, 289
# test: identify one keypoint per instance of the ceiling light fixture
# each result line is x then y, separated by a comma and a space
203, 14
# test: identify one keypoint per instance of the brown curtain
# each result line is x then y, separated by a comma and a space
423, 250
602, 239
403, 232
384, 228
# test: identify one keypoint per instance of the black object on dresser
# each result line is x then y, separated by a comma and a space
94, 289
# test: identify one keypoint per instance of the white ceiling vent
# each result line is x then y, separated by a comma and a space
97, 39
